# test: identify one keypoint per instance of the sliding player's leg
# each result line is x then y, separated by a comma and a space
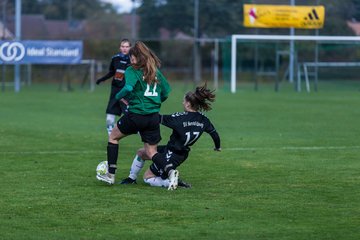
153, 180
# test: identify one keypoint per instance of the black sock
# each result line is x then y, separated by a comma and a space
159, 160
112, 156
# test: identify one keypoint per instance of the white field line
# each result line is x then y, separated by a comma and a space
51, 152
72, 152
311, 148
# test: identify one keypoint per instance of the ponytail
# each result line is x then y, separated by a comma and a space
147, 61
201, 99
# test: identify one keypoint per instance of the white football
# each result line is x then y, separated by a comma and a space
102, 168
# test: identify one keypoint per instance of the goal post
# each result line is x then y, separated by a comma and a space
256, 38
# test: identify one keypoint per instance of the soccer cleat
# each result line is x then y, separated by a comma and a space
108, 178
173, 178
183, 184
128, 180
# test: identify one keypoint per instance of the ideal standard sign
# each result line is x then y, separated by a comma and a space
41, 52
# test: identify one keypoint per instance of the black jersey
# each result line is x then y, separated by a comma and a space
187, 129
118, 65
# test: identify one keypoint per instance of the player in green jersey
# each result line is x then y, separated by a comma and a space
146, 88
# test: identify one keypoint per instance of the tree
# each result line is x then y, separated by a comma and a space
60, 9
151, 17
216, 18
356, 12
221, 18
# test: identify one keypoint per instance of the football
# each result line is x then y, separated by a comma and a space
102, 168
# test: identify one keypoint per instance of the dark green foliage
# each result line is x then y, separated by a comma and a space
59, 9
214, 17
221, 18
356, 10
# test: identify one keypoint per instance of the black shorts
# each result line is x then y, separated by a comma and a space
147, 125
170, 159
115, 106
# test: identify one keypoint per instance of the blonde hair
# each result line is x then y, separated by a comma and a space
146, 60
125, 40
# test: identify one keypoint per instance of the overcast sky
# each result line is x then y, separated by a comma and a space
121, 5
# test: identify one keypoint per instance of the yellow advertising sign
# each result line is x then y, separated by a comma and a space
283, 16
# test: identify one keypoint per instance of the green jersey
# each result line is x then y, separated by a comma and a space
144, 98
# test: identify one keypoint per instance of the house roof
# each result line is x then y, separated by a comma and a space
5, 33
355, 26
37, 27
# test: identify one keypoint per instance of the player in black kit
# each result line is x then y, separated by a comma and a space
118, 65
187, 128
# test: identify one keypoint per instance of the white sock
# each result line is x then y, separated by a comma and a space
157, 182
110, 122
136, 167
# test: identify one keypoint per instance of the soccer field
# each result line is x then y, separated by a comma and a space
289, 169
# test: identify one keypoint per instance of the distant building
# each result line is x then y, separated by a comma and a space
5, 33
355, 27
37, 27
166, 34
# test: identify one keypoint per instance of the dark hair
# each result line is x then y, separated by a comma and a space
147, 61
201, 99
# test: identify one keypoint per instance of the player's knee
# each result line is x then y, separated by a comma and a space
142, 154
150, 152
115, 135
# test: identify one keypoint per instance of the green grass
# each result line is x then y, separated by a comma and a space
289, 169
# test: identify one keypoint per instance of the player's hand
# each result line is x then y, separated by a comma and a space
98, 81
124, 101
217, 149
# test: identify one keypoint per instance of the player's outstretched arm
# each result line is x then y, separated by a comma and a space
104, 78
216, 139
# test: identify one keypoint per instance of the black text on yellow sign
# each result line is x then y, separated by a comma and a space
283, 16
